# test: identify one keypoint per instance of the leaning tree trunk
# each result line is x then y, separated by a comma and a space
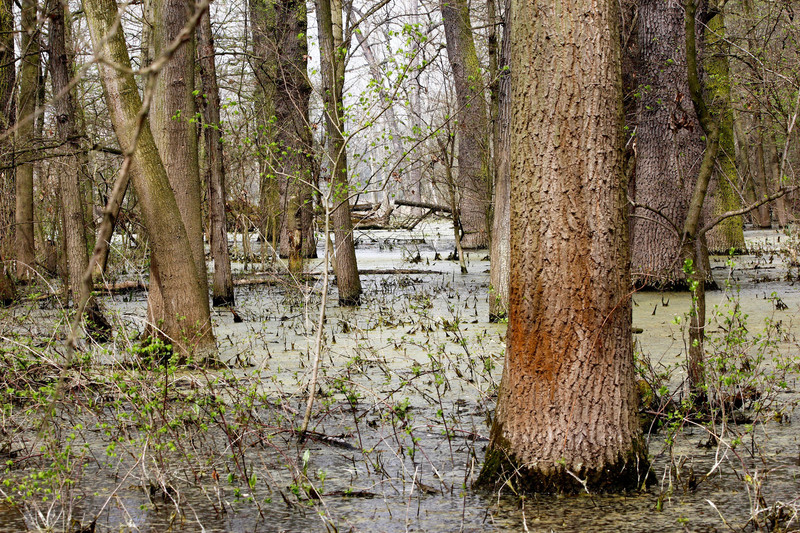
331, 41
7, 121
215, 168
72, 208
28, 89
187, 319
474, 174
724, 192
499, 270
566, 416
668, 145
691, 232
172, 123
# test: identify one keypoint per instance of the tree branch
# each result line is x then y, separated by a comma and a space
783, 191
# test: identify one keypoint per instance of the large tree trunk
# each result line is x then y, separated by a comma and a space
186, 313
331, 43
725, 196
28, 89
499, 268
215, 168
668, 146
262, 18
7, 120
566, 416
176, 139
284, 52
70, 169
474, 176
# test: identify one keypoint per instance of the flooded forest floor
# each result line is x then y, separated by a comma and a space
407, 388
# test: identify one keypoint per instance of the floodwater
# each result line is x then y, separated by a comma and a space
399, 429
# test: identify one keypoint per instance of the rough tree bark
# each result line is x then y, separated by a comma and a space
172, 123
70, 171
566, 414
474, 175
499, 269
262, 17
222, 285
669, 145
7, 120
186, 313
293, 134
284, 49
332, 50
28, 89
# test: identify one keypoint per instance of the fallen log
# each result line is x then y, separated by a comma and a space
424, 205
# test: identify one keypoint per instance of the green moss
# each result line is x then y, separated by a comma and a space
729, 233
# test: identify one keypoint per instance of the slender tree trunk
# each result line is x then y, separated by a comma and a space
331, 43
692, 233
499, 270
186, 313
28, 90
566, 413
408, 180
760, 173
7, 120
668, 145
414, 184
72, 209
773, 168
215, 170
474, 160
742, 143
176, 138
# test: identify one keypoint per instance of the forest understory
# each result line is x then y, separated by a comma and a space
128, 440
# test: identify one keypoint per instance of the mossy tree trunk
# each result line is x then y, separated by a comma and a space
724, 192
566, 414
172, 123
474, 160
186, 318
692, 232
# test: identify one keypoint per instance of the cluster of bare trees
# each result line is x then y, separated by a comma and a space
592, 153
